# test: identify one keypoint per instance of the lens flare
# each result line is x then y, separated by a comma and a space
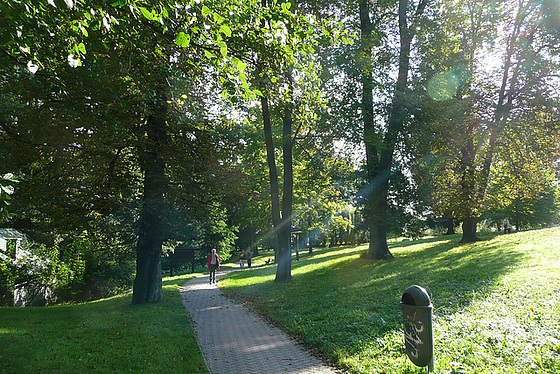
444, 85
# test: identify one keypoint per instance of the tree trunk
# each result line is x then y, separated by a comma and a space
284, 268
469, 230
282, 228
468, 192
272, 171
378, 247
148, 283
374, 208
450, 226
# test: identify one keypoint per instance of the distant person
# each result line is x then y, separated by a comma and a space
213, 264
506, 225
242, 259
248, 256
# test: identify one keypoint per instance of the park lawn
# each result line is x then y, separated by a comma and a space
105, 336
496, 303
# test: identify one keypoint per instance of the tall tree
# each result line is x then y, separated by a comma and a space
522, 181
271, 70
381, 141
447, 128
474, 102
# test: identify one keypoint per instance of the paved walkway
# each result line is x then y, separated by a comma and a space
235, 340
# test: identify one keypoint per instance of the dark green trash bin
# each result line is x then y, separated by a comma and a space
417, 322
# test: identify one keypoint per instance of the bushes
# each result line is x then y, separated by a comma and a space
7, 278
92, 267
71, 269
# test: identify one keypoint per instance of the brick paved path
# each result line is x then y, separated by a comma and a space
235, 340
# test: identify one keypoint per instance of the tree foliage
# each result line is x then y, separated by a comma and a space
474, 105
128, 127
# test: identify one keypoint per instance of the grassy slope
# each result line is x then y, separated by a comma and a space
496, 303
106, 336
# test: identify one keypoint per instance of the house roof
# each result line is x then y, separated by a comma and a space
7, 233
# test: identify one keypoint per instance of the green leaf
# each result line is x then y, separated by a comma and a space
147, 14
226, 30
208, 54
182, 39
258, 92
82, 48
206, 11
218, 19
118, 3
241, 66
286, 6
223, 50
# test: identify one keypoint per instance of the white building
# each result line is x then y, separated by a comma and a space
7, 235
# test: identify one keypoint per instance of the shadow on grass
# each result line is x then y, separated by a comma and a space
338, 302
452, 273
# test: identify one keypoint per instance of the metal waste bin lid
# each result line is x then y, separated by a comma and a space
415, 295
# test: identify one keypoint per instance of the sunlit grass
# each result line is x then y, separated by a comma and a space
106, 336
496, 303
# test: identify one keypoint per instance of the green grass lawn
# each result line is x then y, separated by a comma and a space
496, 310
106, 336
496, 303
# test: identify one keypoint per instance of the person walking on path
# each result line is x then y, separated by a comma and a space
248, 256
213, 265
242, 259
507, 226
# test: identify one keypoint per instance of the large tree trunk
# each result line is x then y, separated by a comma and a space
284, 268
378, 247
469, 229
148, 283
376, 203
282, 223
